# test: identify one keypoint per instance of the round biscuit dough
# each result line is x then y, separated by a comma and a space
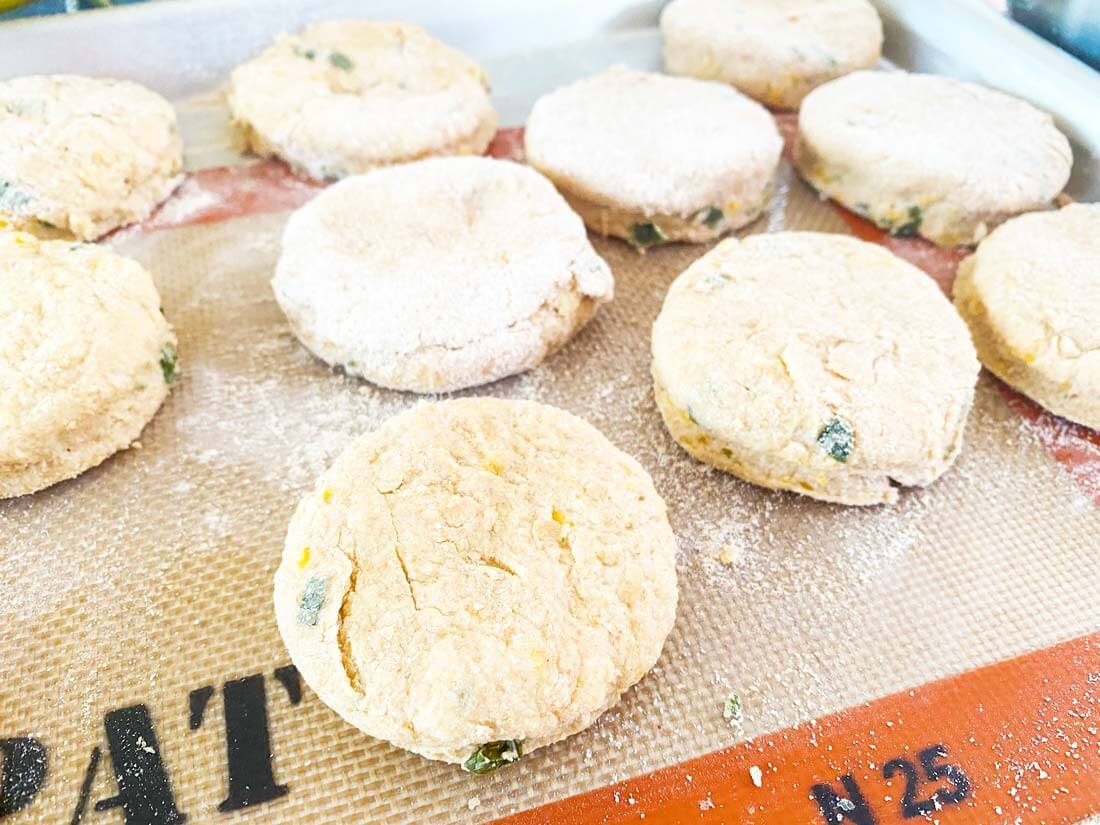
440, 274
815, 363
85, 358
929, 155
776, 51
477, 571
81, 156
346, 96
1031, 295
651, 158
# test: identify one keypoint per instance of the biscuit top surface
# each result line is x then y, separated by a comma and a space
765, 340
372, 92
84, 154
937, 137
492, 570
385, 258
82, 327
1038, 281
792, 32
652, 143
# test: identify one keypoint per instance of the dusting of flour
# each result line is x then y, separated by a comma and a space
160, 561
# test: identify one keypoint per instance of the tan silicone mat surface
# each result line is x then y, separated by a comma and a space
150, 576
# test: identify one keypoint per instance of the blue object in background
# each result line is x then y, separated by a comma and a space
1072, 24
35, 9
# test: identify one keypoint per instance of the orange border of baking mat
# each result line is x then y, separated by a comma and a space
1013, 742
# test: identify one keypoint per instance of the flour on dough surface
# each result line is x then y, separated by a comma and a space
477, 571
689, 158
1031, 295
440, 274
346, 96
81, 156
928, 155
815, 363
775, 51
86, 358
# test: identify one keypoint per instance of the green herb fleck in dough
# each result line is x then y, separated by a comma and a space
12, 198
24, 108
312, 600
308, 54
711, 216
341, 61
837, 439
168, 363
733, 711
727, 452
646, 234
910, 227
493, 755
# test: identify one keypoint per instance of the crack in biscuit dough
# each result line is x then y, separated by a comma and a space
82, 156
499, 571
776, 51
440, 274
346, 96
1031, 295
651, 158
81, 355
814, 363
928, 155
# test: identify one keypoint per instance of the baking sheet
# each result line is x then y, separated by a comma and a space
147, 580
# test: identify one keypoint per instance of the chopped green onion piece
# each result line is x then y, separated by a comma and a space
168, 362
493, 755
711, 216
312, 600
341, 61
733, 711
308, 54
837, 439
910, 227
646, 234
11, 197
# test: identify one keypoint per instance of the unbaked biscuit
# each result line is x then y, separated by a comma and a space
476, 579
814, 363
928, 155
776, 51
346, 96
1031, 295
651, 158
82, 156
440, 274
86, 358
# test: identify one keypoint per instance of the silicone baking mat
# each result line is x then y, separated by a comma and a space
143, 679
